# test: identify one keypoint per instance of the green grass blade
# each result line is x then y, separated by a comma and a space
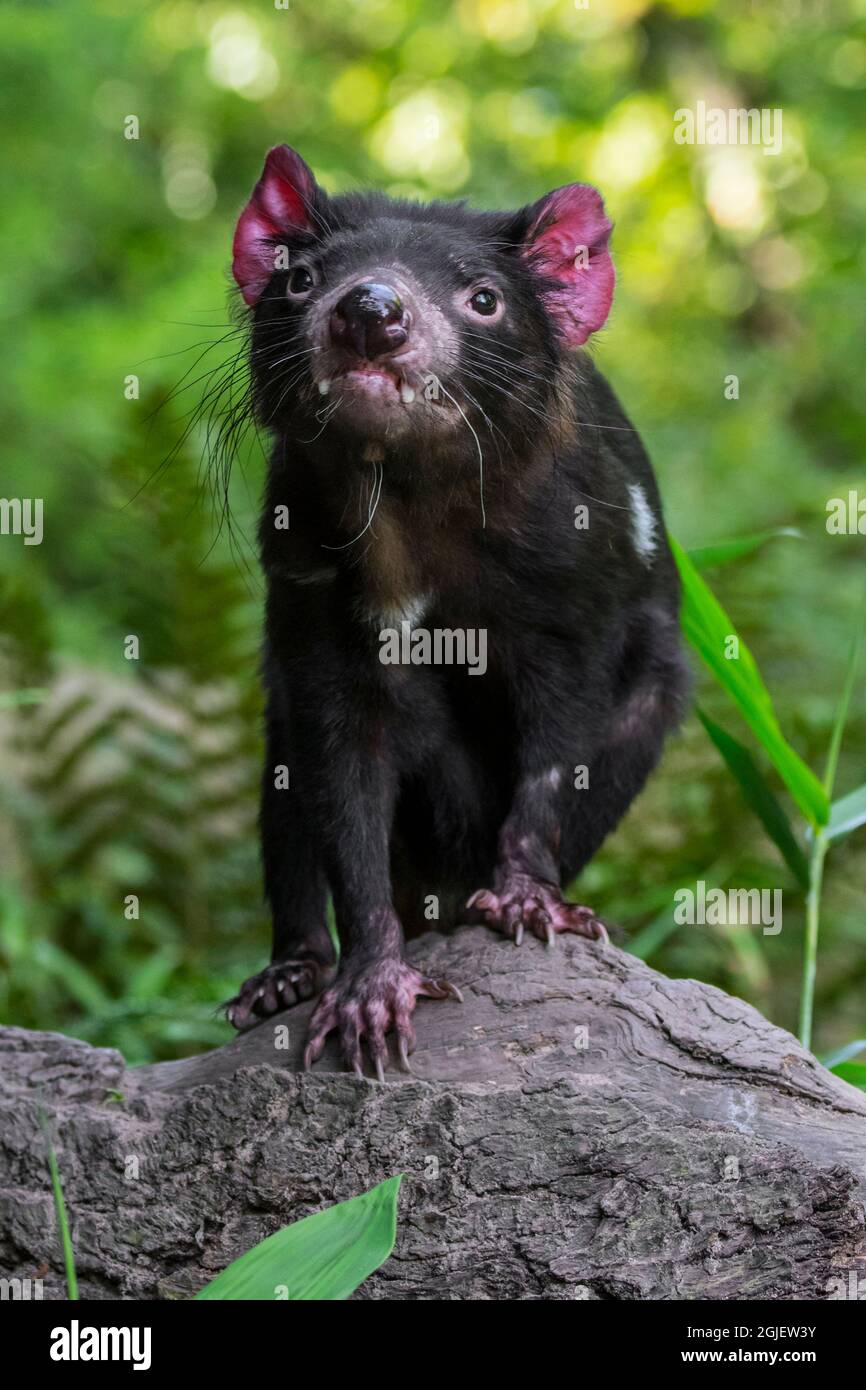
847, 814
708, 628
707, 556
760, 797
323, 1257
60, 1209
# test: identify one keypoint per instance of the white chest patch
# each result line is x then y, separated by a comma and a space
643, 523
411, 612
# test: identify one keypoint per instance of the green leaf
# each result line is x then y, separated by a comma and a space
148, 980
845, 1054
760, 797
722, 552
11, 699
708, 628
81, 983
323, 1257
648, 940
653, 935
845, 697
852, 1072
847, 814
822, 839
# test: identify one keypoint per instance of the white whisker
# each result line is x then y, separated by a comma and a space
375, 494
480, 454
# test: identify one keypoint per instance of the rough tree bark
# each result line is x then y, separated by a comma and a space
681, 1148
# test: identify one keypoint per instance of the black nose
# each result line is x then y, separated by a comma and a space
370, 321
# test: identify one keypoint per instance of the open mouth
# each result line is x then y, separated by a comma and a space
387, 384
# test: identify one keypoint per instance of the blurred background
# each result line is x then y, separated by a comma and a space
130, 890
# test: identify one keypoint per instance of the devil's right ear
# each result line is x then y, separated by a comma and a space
285, 200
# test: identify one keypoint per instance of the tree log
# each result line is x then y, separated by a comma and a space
580, 1127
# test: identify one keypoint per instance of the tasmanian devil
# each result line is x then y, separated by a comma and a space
447, 462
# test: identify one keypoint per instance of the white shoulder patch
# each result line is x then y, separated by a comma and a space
643, 523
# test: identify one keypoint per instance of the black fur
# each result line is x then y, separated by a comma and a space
408, 782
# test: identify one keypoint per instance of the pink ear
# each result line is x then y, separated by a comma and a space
282, 202
568, 243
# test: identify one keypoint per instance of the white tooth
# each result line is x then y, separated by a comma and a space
407, 395
324, 387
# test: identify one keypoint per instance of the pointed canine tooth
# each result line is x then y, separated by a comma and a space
407, 395
324, 387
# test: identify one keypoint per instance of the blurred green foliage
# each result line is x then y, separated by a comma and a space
139, 777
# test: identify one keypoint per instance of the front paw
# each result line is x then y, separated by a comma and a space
278, 987
368, 1000
524, 902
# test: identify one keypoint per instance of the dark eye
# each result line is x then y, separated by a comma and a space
300, 280
484, 302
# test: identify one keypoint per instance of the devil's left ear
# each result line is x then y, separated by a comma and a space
566, 240
285, 201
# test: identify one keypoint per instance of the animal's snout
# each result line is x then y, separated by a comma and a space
370, 320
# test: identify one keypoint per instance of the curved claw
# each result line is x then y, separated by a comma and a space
482, 899
525, 902
276, 988
441, 989
376, 1045
365, 1003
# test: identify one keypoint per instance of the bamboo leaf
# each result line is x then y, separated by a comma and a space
845, 697
708, 627
722, 552
847, 814
822, 839
845, 1054
760, 797
323, 1257
852, 1072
